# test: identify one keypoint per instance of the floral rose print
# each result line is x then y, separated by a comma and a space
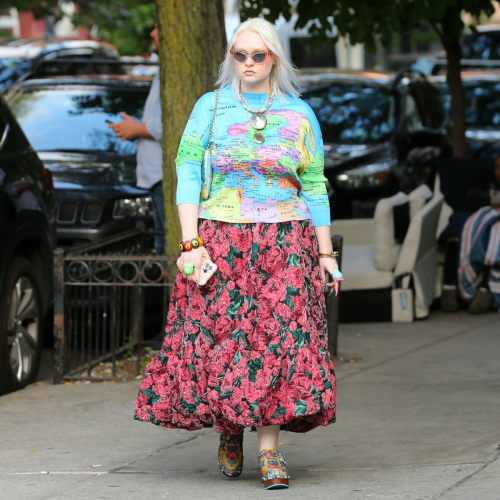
250, 347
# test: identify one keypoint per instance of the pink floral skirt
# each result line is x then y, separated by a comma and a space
249, 348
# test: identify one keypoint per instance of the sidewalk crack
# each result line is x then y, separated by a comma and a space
118, 469
466, 478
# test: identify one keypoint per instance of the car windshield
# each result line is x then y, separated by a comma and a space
352, 114
71, 119
482, 103
484, 46
11, 69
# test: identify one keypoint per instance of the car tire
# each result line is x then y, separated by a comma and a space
21, 326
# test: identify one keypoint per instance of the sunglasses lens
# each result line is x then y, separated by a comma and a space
259, 57
239, 57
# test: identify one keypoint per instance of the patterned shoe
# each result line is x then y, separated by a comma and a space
273, 469
230, 456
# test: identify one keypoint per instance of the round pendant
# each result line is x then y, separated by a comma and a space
258, 121
259, 138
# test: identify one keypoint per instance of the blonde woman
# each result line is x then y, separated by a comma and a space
249, 348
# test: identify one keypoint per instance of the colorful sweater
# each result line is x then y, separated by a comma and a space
279, 180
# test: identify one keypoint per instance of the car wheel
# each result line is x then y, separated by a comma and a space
21, 326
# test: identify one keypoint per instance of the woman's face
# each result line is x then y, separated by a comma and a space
250, 72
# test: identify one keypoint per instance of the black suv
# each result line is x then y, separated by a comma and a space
26, 243
66, 119
382, 133
25, 56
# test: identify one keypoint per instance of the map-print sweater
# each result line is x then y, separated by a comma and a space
277, 181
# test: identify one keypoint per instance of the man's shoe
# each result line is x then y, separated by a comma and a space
482, 302
449, 298
230, 456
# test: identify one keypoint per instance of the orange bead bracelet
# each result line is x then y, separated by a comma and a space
188, 245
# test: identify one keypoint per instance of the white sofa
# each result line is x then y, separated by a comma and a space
387, 279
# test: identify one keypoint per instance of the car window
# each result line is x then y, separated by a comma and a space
12, 69
71, 119
352, 114
482, 103
484, 46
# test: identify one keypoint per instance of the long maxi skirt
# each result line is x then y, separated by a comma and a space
249, 348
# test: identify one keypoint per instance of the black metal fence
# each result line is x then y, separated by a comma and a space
103, 293
107, 293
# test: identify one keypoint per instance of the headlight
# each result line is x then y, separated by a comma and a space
133, 207
373, 175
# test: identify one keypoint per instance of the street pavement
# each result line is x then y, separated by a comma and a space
418, 418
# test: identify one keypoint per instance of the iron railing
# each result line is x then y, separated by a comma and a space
104, 292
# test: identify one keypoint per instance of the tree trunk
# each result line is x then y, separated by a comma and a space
192, 43
454, 79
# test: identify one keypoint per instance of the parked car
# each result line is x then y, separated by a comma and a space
22, 57
27, 230
482, 110
381, 132
66, 121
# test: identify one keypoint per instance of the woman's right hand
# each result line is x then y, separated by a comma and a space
194, 257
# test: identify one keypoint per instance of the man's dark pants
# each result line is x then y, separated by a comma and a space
158, 214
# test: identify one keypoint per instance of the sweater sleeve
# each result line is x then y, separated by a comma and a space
191, 150
312, 176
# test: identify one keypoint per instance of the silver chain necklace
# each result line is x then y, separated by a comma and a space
258, 118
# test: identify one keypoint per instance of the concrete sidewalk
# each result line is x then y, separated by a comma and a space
418, 418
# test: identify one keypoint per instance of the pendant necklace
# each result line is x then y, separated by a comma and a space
258, 118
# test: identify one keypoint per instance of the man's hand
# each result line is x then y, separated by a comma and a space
127, 130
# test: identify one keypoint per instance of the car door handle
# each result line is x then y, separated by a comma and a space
4, 135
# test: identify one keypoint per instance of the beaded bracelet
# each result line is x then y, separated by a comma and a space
188, 245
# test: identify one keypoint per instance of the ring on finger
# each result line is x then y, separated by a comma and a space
197, 265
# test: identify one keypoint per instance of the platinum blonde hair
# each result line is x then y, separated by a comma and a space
283, 76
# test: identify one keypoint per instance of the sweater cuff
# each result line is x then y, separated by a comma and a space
188, 196
321, 218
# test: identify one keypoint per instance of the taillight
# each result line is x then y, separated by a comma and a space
47, 180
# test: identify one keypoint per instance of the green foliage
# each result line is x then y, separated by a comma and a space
365, 21
124, 23
39, 8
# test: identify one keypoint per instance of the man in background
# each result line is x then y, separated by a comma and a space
149, 153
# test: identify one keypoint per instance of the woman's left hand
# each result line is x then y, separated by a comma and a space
328, 265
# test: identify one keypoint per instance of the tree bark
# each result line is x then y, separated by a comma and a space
454, 79
192, 44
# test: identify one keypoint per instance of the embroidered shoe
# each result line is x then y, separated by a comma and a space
273, 469
230, 456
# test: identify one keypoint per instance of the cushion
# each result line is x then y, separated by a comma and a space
418, 198
359, 270
385, 247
